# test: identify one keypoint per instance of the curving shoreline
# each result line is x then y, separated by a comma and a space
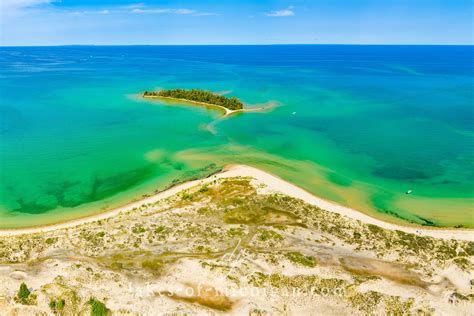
227, 112
275, 184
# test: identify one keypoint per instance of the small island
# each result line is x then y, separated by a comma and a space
198, 95
205, 98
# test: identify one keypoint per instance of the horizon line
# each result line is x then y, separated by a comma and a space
260, 44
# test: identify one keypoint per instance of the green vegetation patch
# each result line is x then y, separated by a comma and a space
198, 95
269, 235
51, 241
371, 301
305, 283
155, 265
23, 294
98, 308
137, 229
243, 215
57, 305
301, 259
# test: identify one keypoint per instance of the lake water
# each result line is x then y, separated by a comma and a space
358, 125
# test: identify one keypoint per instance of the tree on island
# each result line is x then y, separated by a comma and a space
198, 95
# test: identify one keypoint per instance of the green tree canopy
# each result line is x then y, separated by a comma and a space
198, 95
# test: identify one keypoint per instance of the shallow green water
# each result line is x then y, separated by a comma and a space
358, 125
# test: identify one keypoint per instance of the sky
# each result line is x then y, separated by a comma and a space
194, 22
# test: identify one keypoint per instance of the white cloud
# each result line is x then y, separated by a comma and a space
279, 13
10, 8
205, 14
136, 5
18, 4
170, 11
184, 11
78, 13
17, 8
149, 11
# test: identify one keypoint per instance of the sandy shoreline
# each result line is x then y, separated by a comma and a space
227, 112
274, 183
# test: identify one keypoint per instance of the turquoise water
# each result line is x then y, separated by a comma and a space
358, 125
